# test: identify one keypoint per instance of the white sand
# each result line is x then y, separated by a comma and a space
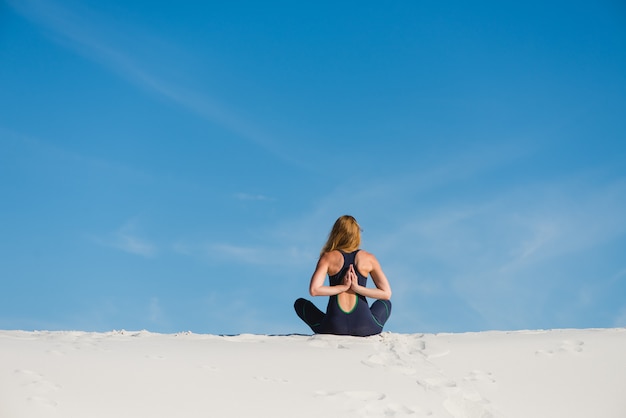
525, 374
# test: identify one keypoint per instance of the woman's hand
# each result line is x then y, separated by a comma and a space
354, 279
347, 281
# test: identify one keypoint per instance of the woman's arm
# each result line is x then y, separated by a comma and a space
382, 290
317, 288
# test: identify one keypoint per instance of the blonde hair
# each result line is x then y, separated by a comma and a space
345, 235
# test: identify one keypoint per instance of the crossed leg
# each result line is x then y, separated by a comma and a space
381, 310
309, 313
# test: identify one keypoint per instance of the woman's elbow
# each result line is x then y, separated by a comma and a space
387, 295
313, 291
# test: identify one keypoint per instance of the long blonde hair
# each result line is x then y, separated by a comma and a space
345, 235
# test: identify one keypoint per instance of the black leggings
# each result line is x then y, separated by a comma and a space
361, 321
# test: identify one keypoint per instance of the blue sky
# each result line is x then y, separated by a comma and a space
178, 167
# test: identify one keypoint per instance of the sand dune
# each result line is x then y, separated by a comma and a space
522, 374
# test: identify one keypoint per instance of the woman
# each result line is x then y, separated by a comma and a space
347, 268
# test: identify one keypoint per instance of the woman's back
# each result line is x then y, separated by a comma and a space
338, 263
363, 261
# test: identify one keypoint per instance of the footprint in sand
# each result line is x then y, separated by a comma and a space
359, 395
467, 405
155, 357
460, 400
43, 401
403, 355
209, 368
391, 409
572, 346
364, 403
36, 381
378, 359
437, 382
397, 410
566, 346
480, 376
325, 341
271, 379
391, 362
39, 386
437, 355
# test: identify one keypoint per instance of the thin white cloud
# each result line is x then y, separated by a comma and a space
155, 311
127, 239
500, 259
541, 234
134, 245
265, 255
270, 252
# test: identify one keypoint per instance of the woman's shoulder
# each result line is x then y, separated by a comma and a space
364, 253
333, 260
332, 256
366, 257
